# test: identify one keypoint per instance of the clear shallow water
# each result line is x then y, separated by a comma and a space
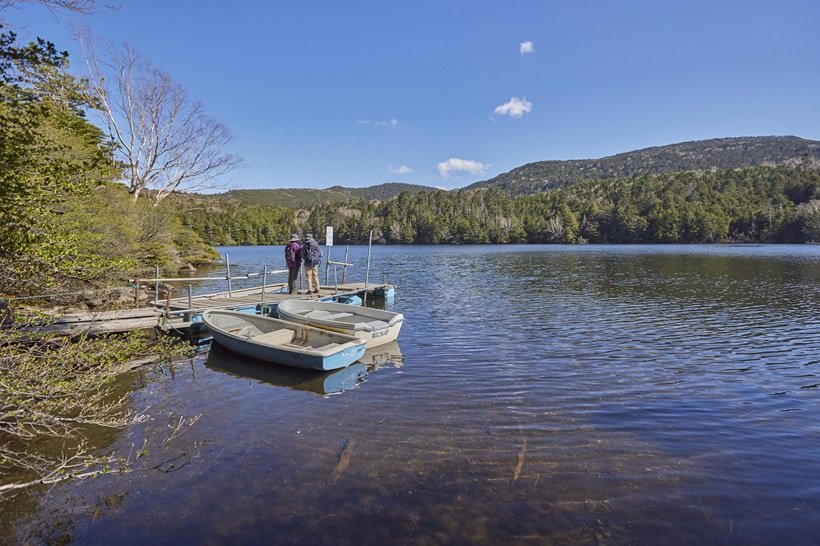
572, 395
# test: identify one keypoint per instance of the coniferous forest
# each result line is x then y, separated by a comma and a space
756, 204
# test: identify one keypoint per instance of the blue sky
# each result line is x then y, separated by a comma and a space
446, 93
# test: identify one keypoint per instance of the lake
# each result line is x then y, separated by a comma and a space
536, 395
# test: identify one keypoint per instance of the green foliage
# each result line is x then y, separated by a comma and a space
307, 197
131, 235
807, 221
48, 151
230, 223
766, 204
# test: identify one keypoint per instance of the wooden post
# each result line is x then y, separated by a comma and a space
344, 269
367, 271
168, 300
327, 266
265, 283
190, 303
156, 287
228, 276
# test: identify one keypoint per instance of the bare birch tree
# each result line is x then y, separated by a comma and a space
76, 6
164, 139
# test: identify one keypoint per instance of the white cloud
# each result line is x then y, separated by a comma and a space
515, 107
401, 169
392, 123
526, 48
454, 164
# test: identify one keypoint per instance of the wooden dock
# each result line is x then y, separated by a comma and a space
105, 322
178, 313
249, 297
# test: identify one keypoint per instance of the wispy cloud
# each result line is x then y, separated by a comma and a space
392, 123
401, 169
526, 48
514, 108
455, 164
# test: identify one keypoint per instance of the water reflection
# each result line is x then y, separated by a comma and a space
334, 382
595, 395
386, 355
223, 360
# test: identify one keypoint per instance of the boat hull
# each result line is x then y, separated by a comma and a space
253, 336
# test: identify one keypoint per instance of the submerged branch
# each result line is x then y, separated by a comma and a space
53, 387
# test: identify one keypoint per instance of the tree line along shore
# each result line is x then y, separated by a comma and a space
755, 204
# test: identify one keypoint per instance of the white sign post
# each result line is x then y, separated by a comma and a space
328, 243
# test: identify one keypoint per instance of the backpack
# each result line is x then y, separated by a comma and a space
311, 253
290, 255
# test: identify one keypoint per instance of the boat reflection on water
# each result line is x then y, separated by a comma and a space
383, 356
333, 382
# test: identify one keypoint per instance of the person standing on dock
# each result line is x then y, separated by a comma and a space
293, 259
311, 254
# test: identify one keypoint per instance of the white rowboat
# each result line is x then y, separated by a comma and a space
375, 326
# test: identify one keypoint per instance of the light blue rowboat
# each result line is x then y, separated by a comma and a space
375, 326
281, 342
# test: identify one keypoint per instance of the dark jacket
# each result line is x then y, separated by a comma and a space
297, 261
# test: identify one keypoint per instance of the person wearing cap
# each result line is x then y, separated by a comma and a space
311, 253
293, 259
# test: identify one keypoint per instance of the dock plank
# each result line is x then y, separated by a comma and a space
179, 310
253, 296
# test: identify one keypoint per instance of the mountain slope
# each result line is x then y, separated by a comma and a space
308, 197
720, 153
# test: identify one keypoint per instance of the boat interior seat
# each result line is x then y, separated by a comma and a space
317, 313
276, 337
335, 316
327, 347
243, 330
377, 324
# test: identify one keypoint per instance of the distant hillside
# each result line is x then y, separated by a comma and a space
307, 197
701, 155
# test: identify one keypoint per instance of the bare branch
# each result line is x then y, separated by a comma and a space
59, 388
76, 6
165, 140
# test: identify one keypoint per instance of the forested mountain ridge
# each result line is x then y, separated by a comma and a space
758, 204
309, 197
700, 155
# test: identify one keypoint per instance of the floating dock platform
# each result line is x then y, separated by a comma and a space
179, 313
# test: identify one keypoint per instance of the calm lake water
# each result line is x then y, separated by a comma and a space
537, 395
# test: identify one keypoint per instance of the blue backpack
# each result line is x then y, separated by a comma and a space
311, 253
